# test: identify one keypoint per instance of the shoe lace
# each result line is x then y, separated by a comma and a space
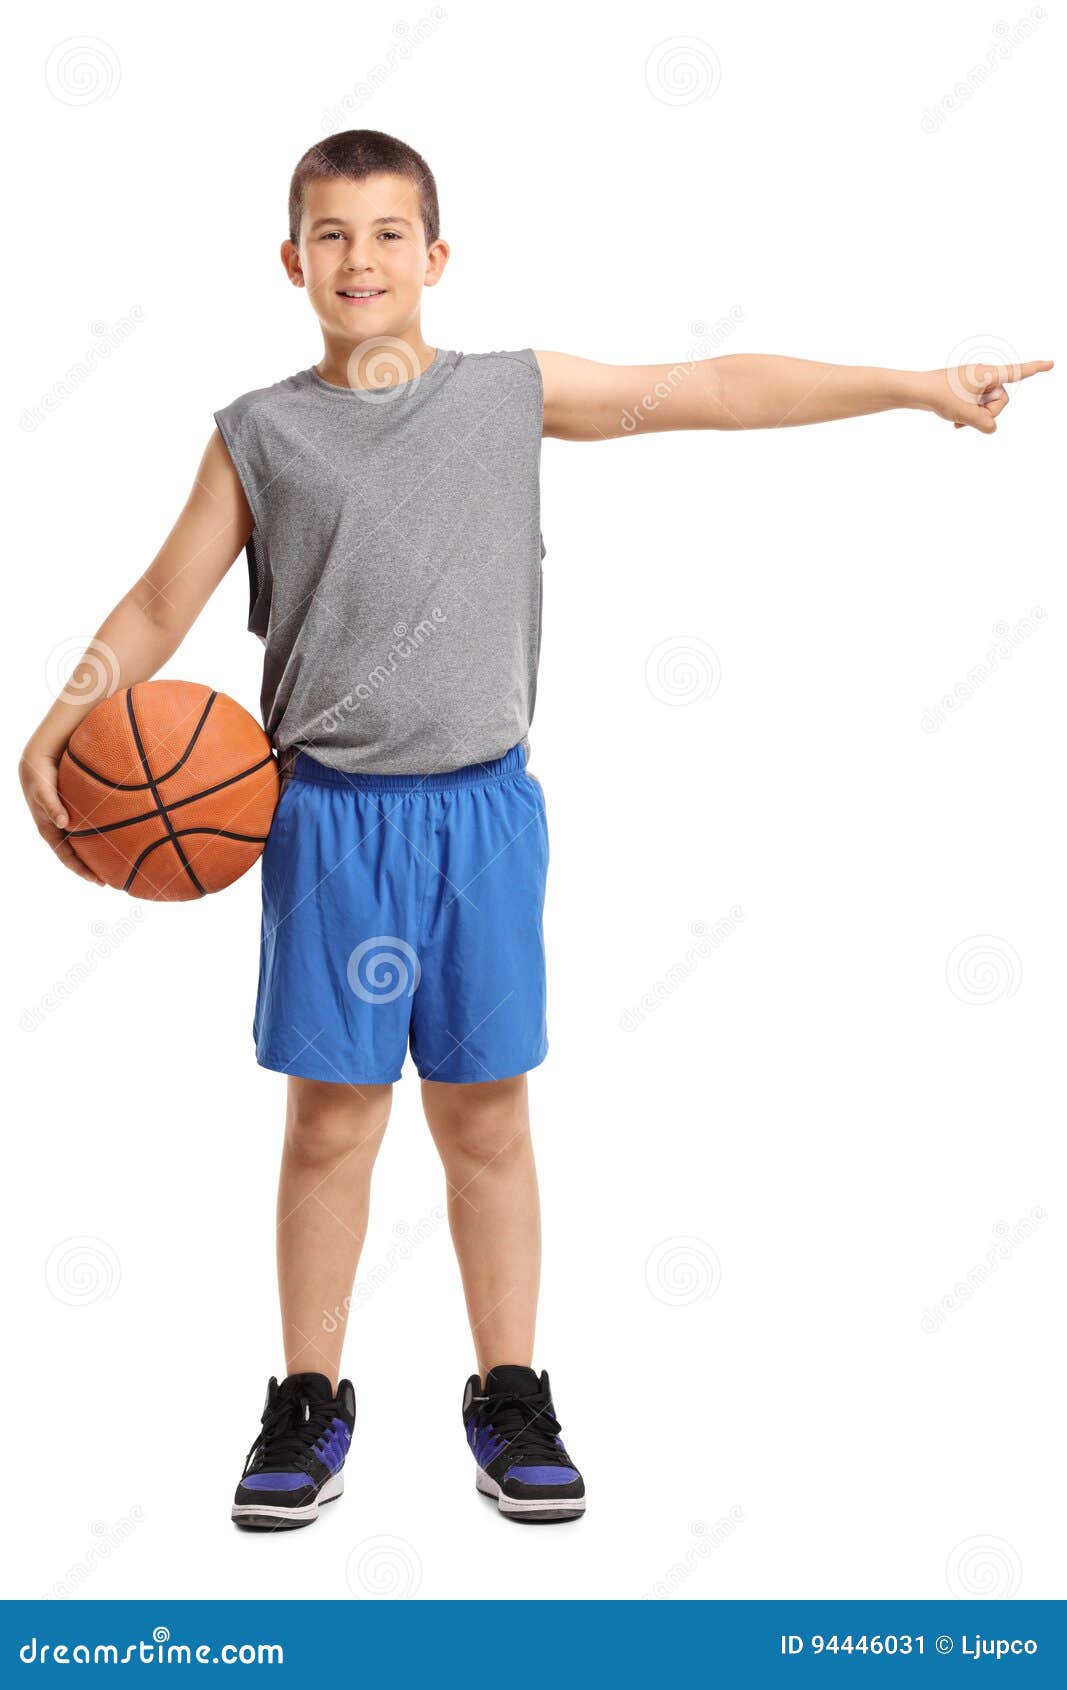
528, 1426
289, 1430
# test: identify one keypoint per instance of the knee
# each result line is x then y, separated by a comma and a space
483, 1126
325, 1131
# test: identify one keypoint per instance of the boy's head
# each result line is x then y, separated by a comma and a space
363, 216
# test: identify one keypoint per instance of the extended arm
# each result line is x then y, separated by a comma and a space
590, 401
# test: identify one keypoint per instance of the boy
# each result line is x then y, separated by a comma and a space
388, 503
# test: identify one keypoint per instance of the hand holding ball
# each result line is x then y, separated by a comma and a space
170, 789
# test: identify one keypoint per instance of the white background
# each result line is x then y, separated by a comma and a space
757, 1198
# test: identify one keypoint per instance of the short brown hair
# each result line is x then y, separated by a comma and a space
356, 153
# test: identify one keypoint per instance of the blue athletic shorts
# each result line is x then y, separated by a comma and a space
404, 910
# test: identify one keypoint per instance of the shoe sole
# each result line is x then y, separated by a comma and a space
532, 1508
261, 1517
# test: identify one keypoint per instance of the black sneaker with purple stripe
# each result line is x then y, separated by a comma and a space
514, 1437
297, 1461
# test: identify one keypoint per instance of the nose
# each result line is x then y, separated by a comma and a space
355, 261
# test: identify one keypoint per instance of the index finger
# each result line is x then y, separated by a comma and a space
1018, 372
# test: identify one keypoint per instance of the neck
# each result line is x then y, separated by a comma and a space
382, 361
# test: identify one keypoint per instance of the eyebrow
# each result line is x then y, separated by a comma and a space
320, 221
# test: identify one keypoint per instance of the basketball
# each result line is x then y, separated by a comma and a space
170, 789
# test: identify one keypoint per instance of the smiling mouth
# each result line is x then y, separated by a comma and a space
359, 295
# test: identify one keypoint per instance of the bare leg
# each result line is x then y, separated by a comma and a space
482, 1134
332, 1136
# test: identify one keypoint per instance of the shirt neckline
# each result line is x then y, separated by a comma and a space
375, 395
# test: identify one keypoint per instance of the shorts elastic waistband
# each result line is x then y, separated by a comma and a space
513, 762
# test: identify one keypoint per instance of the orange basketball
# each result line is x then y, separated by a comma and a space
170, 789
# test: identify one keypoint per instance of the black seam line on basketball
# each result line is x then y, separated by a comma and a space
186, 864
173, 804
249, 839
141, 786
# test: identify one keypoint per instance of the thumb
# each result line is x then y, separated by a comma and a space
976, 416
52, 804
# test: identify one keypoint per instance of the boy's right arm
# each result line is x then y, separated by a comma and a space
143, 631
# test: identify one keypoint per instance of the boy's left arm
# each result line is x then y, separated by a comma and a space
590, 401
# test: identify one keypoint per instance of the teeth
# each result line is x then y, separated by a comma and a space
362, 293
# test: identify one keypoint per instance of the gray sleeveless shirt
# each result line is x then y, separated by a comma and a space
395, 564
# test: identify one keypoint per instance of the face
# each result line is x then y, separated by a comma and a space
363, 238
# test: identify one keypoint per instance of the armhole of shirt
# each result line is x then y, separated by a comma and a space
540, 431
528, 356
256, 574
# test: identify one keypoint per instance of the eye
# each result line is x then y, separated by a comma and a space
329, 235
393, 233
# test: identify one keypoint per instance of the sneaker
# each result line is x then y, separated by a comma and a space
298, 1460
514, 1437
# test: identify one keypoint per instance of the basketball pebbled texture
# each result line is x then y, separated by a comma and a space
170, 789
